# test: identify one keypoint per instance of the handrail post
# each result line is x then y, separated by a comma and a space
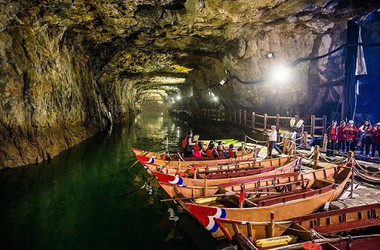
253, 120
316, 156
324, 142
235, 116
284, 144
304, 140
265, 121
312, 122
351, 159
239, 116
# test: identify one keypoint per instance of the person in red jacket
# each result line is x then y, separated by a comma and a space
232, 152
351, 130
375, 137
332, 135
341, 136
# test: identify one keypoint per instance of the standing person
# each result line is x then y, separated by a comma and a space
351, 130
332, 135
342, 136
365, 137
187, 144
375, 133
272, 141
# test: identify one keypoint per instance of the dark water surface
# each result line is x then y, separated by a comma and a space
85, 199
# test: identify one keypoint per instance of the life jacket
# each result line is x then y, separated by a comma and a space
333, 133
341, 133
231, 152
209, 152
184, 142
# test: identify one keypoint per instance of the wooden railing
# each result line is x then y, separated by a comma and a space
314, 126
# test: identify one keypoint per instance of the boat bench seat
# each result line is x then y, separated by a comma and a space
348, 225
279, 186
226, 170
259, 178
257, 200
217, 174
291, 197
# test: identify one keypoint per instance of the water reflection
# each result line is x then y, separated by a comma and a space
85, 198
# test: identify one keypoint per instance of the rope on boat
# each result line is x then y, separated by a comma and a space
320, 236
255, 141
184, 160
365, 170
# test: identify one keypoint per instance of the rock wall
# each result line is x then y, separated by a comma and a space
70, 68
50, 98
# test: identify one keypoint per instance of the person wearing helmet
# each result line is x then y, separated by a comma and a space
351, 130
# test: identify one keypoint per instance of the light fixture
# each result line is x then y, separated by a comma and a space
222, 82
281, 74
215, 98
270, 55
178, 97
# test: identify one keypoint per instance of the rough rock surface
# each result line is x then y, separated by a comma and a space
69, 68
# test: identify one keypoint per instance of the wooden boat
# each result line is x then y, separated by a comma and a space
287, 165
332, 223
315, 189
217, 170
368, 172
183, 162
276, 182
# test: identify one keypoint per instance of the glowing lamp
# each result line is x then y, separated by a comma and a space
281, 74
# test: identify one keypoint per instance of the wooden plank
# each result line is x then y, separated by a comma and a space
244, 242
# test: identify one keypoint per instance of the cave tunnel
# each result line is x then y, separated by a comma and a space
70, 69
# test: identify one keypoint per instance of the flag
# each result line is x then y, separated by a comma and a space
242, 194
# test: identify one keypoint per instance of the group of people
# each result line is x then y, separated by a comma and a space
345, 137
192, 147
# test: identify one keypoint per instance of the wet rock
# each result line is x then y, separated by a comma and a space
71, 68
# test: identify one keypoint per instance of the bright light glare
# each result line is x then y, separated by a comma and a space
215, 98
281, 74
178, 97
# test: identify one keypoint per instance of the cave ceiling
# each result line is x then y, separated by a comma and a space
166, 46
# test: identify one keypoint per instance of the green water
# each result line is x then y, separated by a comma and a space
84, 198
